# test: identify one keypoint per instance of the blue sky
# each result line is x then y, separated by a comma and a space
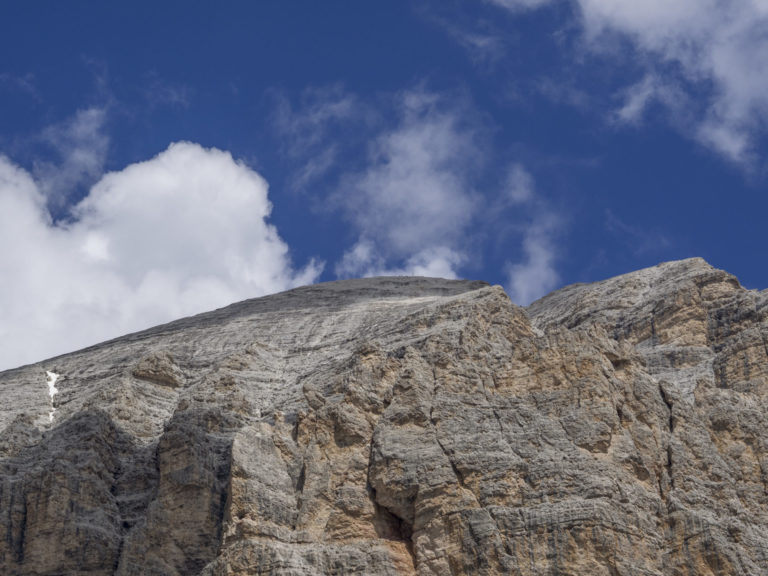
162, 159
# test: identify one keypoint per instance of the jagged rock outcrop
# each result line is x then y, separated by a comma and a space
404, 426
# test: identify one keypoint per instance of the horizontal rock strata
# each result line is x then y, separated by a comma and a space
404, 426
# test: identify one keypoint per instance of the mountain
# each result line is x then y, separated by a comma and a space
404, 426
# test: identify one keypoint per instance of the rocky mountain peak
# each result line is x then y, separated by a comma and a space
404, 426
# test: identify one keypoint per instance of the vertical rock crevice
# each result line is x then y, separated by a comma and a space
409, 426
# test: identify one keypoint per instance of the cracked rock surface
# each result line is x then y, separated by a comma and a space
404, 426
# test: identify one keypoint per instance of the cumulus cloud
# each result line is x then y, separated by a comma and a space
413, 204
714, 50
184, 232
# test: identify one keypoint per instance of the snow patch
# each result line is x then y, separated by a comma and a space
51, 378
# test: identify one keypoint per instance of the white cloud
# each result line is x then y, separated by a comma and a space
638, 97
733, 142
81, 146
717, 49
364, 260
416, 212
413, 205
181, 233
536, 274
361, 260
717, 41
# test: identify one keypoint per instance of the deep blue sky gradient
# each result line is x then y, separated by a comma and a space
628, 196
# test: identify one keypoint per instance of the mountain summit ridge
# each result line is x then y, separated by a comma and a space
404, 425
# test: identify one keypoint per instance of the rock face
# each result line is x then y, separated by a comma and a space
404, 426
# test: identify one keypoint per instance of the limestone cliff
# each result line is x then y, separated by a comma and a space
404, 426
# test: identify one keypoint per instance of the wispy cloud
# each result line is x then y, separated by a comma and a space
306, 128
162, 92
519, 187
713, 52
718, 42
413, 204
411, 201
24, 84
563, 90
481, 40
518, 5
651, 89
365, 259
636, 100
639, 239
184, 232
80, 145
534, 273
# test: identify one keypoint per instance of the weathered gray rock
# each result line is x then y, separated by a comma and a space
404, 426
